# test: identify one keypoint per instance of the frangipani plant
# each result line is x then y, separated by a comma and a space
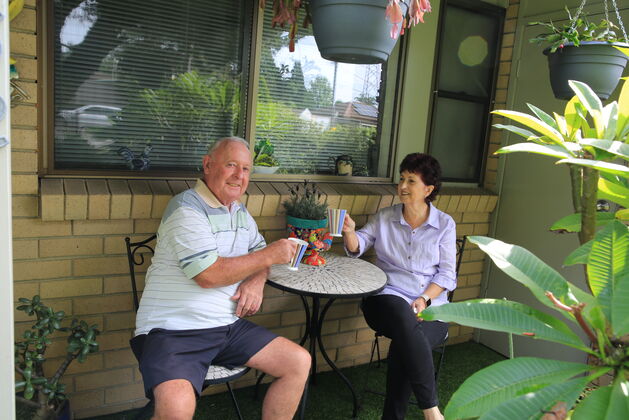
590, 138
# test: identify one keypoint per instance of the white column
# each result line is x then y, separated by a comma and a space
7, 395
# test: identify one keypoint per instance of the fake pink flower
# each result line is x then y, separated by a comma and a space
394, 13
416, 11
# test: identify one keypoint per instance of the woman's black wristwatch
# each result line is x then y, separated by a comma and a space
426, 299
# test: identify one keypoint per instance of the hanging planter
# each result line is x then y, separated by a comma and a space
585, 51
353, 31
350, 31
597, 64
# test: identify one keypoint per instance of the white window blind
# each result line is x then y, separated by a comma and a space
145, 86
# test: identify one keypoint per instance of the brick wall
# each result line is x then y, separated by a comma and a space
68, 247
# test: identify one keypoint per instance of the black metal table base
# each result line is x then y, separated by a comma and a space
312, 334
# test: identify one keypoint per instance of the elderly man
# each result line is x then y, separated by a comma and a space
208, 273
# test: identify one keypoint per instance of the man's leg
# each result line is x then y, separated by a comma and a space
289, 364
174, 400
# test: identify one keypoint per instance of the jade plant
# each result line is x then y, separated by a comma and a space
45, 393
592, 140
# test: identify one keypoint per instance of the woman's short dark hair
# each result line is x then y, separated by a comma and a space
427, 167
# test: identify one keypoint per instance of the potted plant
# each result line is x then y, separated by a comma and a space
46, 394
584, 51
264, 162
351, 31
589, 138
306, 219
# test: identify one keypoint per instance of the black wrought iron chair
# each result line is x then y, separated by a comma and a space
439, 348
136, 252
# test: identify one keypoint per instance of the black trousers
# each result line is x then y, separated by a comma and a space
410, 366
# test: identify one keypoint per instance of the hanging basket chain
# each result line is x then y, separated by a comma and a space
622, 26
576, 16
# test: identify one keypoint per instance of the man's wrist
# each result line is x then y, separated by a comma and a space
426, 299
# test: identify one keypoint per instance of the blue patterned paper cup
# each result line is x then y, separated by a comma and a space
336, 218
302, 246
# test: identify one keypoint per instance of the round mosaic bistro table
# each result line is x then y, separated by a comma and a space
340, 277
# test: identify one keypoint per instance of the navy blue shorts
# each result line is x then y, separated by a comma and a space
187, 354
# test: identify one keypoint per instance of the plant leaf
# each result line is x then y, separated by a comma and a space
607, 167
506, 316
623, 108
606, 403
546, 118
607, 262
613, 191
518, 130
572, 223
616, 147
591, 102
623, 215
529, 270
530, 405
533, 123
573, 119
505, 380
579, 255
540, 149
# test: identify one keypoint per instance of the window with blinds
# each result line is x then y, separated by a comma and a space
313, 110
145, 86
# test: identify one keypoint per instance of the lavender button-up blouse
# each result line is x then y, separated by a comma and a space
412, 259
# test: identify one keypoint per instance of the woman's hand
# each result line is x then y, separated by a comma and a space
418, 305
348, 224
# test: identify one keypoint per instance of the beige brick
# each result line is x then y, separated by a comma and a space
475, 217
284, 193
120, 358
255, 199
25, 249
161, 197
70, 246
365, 335
103, 379
271, 199
124, 393
100, 266
146, 226
281, 303
25, 206
94, 362
177, 186
27, 290
141, 199
512, 12
23, 43
271, 222
103, 304
89, 399
481, 228
342, 310
473, 203
332, 196
339, 339
121, 284
24, 139
471, 267
107, 409
373, 201
24, 161
266, 320
114, 340
508, 39
27, 68
354, 323
463, 202
102, 227
457, 217
503, 82
292, 333
120, 199
474, 279
504, 68
453, 204
329, 327
491, 203
24, 184
116, 244
26, 20
464, 229
31, 91
32, 228
120, 321
32, 270
466, 293
73, 287
24, 115
98, 199
350, 352
459, 339
293, 317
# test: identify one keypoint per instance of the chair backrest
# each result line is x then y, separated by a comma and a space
136, 258
460, 247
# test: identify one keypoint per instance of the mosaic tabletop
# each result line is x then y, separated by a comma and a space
340, 277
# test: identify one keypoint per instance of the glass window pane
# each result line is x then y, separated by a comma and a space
146, 85
313, 110
457, 142
467, 52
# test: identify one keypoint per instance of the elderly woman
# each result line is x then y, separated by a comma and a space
415, 245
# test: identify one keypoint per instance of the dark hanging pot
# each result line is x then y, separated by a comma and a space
353, 31
597, 64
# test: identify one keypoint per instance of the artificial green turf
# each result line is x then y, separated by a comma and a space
331, 399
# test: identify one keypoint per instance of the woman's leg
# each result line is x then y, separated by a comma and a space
410, 354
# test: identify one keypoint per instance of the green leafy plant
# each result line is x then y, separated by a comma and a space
46, 394
305, 202
264, 150
578, 29
590, 139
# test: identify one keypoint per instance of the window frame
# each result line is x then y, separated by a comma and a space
393, 73
476, 7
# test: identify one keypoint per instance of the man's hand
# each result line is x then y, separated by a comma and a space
281, 251
418, 306
249, 295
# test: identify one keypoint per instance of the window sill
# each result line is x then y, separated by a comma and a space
100, 199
